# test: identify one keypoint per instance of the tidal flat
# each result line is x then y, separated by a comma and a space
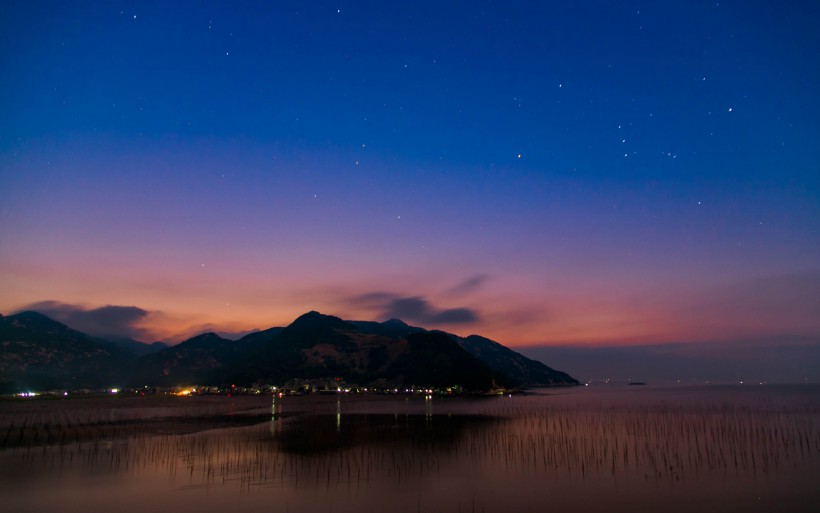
585, 449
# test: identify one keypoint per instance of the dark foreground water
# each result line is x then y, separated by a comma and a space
629, 449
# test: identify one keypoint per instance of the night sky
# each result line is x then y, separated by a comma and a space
545, 174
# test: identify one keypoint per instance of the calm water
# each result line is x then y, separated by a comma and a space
637, 449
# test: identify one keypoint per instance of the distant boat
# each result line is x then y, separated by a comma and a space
637, 383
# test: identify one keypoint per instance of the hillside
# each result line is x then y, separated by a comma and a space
41, 353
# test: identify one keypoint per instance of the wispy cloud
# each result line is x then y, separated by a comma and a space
468, 285
222, 331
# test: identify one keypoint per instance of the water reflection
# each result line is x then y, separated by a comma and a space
338, 414
578, 452
317, 434
275, 414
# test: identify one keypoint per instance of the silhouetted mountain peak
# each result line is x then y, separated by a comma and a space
31, 314
392, 328
205, 340
207, 335
36, 317
316, 320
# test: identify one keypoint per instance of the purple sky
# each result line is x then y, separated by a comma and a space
574, 174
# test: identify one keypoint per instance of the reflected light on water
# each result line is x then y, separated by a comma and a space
583, 449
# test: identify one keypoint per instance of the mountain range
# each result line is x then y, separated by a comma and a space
37, 352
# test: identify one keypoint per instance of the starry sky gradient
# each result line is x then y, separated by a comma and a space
542, 173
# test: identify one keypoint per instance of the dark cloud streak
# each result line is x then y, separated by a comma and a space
778, 359
113, 322
414, 309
